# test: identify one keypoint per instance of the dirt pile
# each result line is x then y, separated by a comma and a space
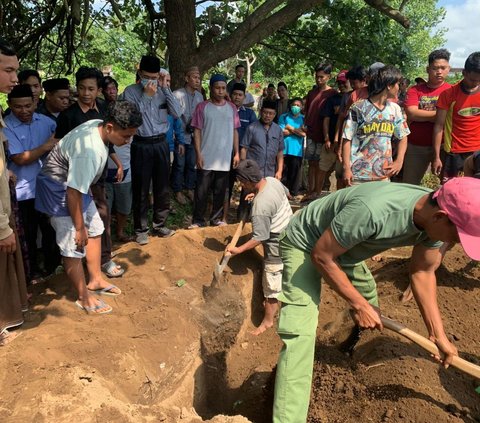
182, 352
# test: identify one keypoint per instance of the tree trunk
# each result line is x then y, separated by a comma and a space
267, 18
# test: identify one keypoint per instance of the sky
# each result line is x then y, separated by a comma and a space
463, 35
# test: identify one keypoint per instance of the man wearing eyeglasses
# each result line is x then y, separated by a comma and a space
150, 155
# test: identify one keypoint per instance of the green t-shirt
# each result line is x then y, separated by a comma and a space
366, 219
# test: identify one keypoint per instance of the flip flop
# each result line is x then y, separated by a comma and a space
95, 309
107, 291
112, 270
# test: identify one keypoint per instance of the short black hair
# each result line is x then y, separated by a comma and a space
239, 66
271, 85
433, 200
20, 91
472, 64
27, 73
85, 72
123, 113
107, 81
440, 54
357, 73
324, 67
6, 48
381, 79
282, 84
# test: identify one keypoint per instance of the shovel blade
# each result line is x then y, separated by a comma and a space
219, 267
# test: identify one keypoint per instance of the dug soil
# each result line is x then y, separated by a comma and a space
178, 348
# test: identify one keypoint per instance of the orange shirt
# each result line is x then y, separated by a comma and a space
461, 132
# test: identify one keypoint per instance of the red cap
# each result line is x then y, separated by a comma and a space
460, 199
342, 76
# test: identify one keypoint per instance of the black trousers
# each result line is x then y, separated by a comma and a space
217, 181
291, 180
32, 220
100, 200
150, 163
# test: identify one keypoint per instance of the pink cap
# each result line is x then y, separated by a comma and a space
342, 76
460, 199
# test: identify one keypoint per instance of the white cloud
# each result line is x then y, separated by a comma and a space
462, 21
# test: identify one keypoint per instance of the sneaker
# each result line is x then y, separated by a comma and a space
163, 231
219, 223
142, 238
195, 226
180, 198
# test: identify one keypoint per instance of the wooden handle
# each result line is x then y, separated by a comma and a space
426, 344
237, 234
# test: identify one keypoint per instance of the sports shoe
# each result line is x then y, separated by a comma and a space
180, 198
219, 223
163, 231
142, 238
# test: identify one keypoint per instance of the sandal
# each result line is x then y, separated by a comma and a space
95, 309
112, 270
107, 291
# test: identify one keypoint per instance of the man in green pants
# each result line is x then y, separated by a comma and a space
331, 238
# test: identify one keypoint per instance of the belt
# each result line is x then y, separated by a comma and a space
155, 139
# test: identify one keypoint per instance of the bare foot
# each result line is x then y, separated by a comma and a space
377, 257
6, 337
262, 328
407, 295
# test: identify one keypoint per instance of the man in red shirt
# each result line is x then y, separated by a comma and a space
421, 109
458, 121
313, 121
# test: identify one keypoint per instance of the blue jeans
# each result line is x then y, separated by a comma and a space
183, 169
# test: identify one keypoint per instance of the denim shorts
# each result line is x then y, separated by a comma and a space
65, 231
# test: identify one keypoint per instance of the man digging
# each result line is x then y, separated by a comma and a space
271, 213
331, 238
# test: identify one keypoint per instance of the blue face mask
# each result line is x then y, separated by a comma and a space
296, 110
145, 81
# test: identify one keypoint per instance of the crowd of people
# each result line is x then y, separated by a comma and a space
67, 164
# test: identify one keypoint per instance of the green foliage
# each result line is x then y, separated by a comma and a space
347, 33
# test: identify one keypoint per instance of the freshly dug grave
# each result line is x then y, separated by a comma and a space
176, 349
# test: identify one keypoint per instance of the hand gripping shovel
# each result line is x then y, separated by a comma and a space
461, 364
219, 267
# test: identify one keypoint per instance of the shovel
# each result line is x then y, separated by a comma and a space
219, 267
461, 364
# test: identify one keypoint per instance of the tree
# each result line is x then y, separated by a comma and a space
224, 30
347, 33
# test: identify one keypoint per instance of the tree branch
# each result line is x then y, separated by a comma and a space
389, 11
152, 12
116, 10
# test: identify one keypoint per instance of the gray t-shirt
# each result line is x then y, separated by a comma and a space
271, 213
217, 123
188, 102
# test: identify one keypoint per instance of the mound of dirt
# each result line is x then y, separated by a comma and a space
177, 349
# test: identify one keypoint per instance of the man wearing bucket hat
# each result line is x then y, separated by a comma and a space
331, 238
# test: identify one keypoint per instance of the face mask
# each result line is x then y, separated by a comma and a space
296, 110
145, 81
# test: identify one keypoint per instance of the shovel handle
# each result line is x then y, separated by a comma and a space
461, 364
237, 234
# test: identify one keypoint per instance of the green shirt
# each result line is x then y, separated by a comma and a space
365, 219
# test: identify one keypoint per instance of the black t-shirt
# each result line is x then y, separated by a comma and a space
331, 109
72, 117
